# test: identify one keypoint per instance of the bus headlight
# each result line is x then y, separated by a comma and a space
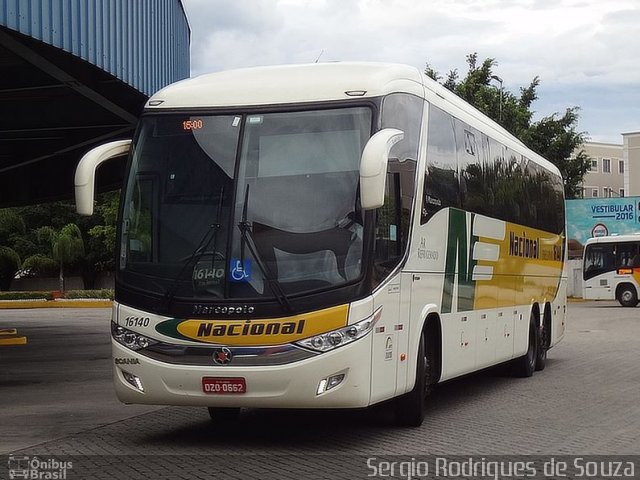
132, 340
343, 336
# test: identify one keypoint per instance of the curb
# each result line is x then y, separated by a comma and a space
575, 300
22, 304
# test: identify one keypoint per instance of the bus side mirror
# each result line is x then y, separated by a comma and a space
85, 178
373, 167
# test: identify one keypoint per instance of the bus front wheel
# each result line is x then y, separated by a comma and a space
627, 296
410, 408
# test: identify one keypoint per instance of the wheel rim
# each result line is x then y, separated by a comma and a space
627, 295
531, 353
425, 371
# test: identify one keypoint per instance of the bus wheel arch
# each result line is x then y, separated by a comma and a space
432, 331
410, 407
627, 295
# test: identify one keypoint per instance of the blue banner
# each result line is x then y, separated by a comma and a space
595, 217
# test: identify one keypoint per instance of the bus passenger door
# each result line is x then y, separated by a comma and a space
390, 242
599, 261
386, 350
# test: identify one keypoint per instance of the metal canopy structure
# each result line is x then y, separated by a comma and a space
74, 75
54, 108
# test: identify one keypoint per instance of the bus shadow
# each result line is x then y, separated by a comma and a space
278, 428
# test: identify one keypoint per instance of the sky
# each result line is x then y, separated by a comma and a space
584, 51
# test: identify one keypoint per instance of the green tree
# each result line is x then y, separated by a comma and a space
12, 229
555, 137
66, 246
9, 266
21, 230
100, 238
40, 265
19, 226
103, 236
11, 225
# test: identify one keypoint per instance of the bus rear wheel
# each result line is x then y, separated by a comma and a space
627, 296
543, 346
410, 408
526, 365
224, 415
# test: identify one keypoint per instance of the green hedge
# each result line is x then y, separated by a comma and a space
105, 293
26, 295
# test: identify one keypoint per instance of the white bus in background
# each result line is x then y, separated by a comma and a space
611, 269
324, 236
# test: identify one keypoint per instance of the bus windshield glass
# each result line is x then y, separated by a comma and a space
233, 206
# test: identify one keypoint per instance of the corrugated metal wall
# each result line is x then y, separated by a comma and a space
144, 43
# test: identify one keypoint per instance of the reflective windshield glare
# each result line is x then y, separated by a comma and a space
244, 206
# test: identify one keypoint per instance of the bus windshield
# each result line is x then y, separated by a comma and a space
226, 206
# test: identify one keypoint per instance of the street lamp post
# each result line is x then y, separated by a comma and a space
499, 80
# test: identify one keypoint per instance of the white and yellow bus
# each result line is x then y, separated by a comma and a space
326, 236
611, 269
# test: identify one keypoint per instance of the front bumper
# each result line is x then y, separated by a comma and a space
293, 385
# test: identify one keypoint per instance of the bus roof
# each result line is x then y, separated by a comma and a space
284, 84
316, 82
633, 237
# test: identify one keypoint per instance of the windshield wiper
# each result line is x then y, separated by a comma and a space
199, 251
247, 239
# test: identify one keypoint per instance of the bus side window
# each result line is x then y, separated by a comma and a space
477, 179
402, 111
626, 255
441, 189
388, 247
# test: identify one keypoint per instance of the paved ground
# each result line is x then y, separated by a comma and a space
59, 383
56, 400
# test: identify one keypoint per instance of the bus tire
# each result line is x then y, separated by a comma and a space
526, 365
627, 296
544, 336
410, 408
224, 415
541, 351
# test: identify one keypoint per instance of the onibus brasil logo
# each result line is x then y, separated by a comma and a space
37, 468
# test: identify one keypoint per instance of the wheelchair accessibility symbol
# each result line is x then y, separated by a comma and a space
240, 271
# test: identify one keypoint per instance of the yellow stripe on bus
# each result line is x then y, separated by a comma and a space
528, 267
274, 331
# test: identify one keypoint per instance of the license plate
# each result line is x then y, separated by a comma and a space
224, 385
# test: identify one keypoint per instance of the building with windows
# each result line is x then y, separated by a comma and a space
615, 168
606, 176
631, 155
